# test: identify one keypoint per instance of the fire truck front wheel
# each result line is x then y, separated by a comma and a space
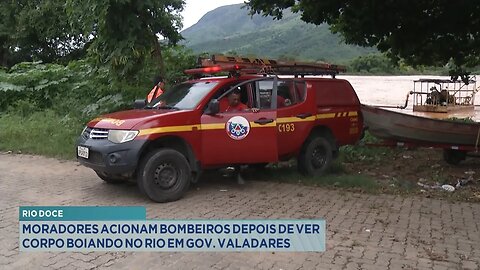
315, 157
164, 175
110, 179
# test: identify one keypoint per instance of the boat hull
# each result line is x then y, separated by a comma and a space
390, 125
442, 109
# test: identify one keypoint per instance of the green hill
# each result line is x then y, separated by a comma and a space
230, 28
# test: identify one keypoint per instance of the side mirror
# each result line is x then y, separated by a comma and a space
213, 107
139, 104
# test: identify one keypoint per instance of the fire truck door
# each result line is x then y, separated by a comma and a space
242, 137
295, 116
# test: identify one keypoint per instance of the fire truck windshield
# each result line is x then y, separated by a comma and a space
184, 96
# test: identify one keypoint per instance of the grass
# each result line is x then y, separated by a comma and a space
362, 152
462, 120
401, 185
43, 133
354, 153
334, 177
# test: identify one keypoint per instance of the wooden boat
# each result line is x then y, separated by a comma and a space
395, 126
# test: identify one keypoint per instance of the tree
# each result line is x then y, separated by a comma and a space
372, 63
421, 32
37, 30
7, 22
125, 33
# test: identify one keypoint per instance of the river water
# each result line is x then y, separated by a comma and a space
393, 90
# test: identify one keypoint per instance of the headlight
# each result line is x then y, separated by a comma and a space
121, 136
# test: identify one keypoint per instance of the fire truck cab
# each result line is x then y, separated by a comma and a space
164, 145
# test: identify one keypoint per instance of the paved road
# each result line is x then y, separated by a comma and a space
364, 231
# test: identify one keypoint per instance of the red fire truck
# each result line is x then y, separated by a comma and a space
164, 145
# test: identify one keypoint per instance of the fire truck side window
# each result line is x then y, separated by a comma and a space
300, 91
245, 91
285, 95
241, 89
290, 93
264, 97
223, 90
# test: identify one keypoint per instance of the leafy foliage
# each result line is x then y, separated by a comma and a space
462, 120
80, 89
37, 30
121, 34
31, 87
125, 32
372, 63
420, 32
53, 102
362, 152
178, 59
6, 26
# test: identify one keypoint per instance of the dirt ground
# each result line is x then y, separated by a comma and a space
422, 171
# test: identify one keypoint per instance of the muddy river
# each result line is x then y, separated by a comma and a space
393, 90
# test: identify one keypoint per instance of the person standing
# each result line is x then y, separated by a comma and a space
157, 89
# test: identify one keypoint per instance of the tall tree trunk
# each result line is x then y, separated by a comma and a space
157, 48
157, 56
3, 57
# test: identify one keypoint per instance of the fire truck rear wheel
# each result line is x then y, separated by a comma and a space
315, 157
454, 157
164, 175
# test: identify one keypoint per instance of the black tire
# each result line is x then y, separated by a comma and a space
454, 157
164, 175
196, 176
315, 157
110, 179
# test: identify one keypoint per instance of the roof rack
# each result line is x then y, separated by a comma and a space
237, 65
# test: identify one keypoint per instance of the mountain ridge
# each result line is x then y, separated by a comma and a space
230, 29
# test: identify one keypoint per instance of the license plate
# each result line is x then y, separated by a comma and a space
82, 151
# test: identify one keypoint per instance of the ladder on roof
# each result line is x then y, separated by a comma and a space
250, 65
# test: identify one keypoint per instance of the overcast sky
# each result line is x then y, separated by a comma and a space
195, 9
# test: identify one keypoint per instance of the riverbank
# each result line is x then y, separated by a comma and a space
378, 170
423, 172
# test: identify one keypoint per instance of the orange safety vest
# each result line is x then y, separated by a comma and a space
154, 93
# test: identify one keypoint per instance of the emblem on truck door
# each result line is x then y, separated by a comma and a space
237, 127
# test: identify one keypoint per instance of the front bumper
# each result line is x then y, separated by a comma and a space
111, 158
